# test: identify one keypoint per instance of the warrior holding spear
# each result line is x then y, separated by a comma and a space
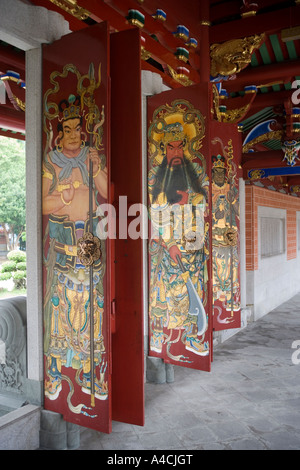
73, 335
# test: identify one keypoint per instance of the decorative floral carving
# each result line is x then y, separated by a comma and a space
11, 376
13, 335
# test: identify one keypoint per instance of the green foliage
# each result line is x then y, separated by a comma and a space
19, 275
8, 266
21, 266
17, 255
12, 188
5, 276
19, 278
14, 268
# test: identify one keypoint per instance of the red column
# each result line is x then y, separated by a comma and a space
204, 52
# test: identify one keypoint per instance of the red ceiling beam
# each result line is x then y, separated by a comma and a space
13, 135
262, 158
293, 181
273, 98
264, 75
8, 104
178, 12
164, 56
233, 8
115, 13
260, 23
13, 59
12, 119
100, 11
168, 80
265, 100
4, 67
220, 11
151, 25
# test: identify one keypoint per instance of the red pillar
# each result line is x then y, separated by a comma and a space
204, 52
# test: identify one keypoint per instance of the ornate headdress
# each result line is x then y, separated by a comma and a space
218, 162
174, 132
178, 121
70, 108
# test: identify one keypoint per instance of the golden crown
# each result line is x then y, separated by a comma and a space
218, 162
174, 132
69, 108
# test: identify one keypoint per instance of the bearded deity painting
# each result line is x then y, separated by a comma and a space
178, 190
74, 295
225, 234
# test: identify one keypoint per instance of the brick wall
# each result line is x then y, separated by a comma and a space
256, 196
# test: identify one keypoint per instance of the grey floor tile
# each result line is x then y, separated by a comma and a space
160, 440
247, 444
196, 435
249, 401
229, 430
282, 440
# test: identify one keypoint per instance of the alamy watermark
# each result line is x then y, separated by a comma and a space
296, 343
296, 354
296, 93
177, 222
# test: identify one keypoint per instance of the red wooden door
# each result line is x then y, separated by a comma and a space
92, 280
126, 173
76, 120
225, 156
180, 323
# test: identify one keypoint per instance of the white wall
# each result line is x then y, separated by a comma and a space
276, 279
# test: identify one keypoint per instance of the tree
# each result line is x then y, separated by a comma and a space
14, 268
12, 189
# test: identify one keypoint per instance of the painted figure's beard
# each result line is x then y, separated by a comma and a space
170, 179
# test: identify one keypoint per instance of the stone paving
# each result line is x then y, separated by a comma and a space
249, 401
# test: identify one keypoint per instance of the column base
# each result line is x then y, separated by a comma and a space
158, 371
57, 434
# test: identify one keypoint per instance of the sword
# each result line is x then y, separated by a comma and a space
195, 305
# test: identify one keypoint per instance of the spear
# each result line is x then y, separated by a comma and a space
91, 288
231, 254
87, 97
231, 223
